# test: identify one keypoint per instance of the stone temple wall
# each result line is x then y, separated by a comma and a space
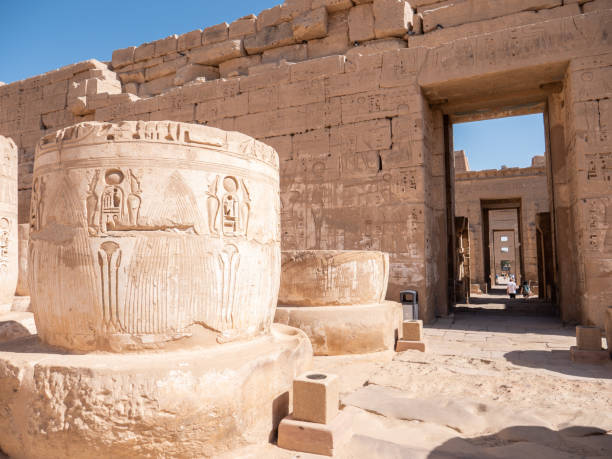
360, 129
527, 184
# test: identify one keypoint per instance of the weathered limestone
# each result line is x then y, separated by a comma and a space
22, 279
337, 298
199, 402
8, 223
315, 426
143, 233
333, 277
145, 212
588, 338
609, 329
315, 397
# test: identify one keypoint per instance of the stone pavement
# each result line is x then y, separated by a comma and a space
492, 384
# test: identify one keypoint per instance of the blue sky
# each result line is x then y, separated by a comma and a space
511, 141
39, 35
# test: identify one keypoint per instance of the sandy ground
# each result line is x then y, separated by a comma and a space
496, 381
492, 384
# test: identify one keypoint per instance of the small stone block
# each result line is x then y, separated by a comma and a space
403, 345
412, 330
588, 338
314, 438
315, 397
586, 356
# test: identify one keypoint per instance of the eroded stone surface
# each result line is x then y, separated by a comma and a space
328, 277
8, 221
187, 403
133, 216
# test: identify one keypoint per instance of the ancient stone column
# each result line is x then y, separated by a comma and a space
8, 222
22, 280
337, 297
146, 232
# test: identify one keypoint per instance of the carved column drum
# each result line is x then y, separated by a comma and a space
142, 230
333, 277
8, 222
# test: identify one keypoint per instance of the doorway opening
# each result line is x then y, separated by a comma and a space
501, 202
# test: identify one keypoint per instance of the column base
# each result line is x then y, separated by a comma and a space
339, 330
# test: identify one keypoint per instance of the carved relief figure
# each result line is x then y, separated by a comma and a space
37, 204
118, 207
5, 226
109, 259
235, 203
212, 204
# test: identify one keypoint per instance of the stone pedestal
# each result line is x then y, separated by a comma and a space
8, 222
338, 330
337, 297
198, 402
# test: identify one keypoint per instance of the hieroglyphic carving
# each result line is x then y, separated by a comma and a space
117, 206
599, 167
234, 201
109, 259
136, 259
5, 226
37, 204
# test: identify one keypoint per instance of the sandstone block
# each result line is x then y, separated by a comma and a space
332, 5
361, 2
22, 279
123, 57
131, 88
316, 68
238, 66
361, 23
336, 43
144, 52
190, 72
454, 13
392, 18
597, 5
412, 330
217, 53
215, 34
269, 37
189, 40
315, 438
242, 27
376, 46
165, 45
316, 397
137, 76
589, 356
404, 345
269, 17
310, 25
161, 70
291, 53
588, 338
294, 8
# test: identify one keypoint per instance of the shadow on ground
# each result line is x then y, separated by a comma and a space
530, 442
560, 362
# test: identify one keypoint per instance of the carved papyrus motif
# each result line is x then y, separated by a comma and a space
109, 259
